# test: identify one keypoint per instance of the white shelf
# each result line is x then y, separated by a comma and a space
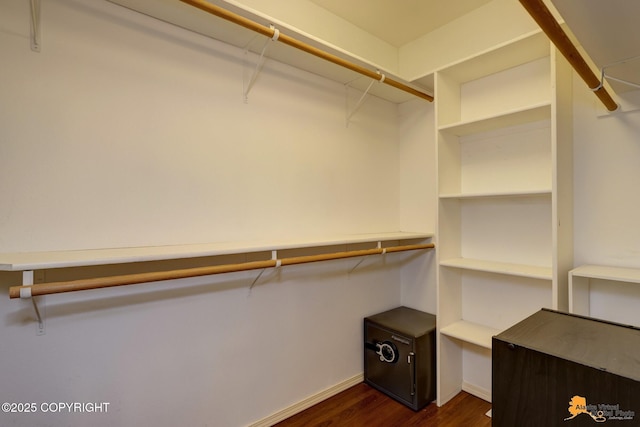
498, 194
521, 270
512, 53
22, 261
518, 116
188, 17
471, 332
620, 274
580, 286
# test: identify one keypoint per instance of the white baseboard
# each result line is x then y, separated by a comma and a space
308, 402
480, 392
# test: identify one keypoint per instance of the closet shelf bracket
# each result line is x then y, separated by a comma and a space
256, 279
383, 252
604, 75
34, 6
360, 101
25, 293
248, 83
278, 263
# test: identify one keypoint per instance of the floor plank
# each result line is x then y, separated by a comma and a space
363, 405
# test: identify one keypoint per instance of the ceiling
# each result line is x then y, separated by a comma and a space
399, 21
606, 29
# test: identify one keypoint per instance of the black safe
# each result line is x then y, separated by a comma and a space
558, 369
399, 355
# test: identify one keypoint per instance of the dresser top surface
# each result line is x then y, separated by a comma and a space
591, 342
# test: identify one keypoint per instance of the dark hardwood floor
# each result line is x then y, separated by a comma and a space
363, 405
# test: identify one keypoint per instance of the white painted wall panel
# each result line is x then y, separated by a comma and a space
417, 174
124, 127
606, 155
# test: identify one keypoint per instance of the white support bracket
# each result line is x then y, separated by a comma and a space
34, 6
248, 83
379, 246
25, 293
256, 279
627, 101
384, 250
357, 265
274, 257
604, 75
362, 98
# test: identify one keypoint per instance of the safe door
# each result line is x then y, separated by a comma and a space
389, 363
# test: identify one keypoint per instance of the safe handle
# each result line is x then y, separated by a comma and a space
411, 360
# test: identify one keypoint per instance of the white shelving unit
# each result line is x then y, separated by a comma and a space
622, 285
504, 147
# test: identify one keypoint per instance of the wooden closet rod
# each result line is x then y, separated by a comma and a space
541, 14
132, 279
270, 32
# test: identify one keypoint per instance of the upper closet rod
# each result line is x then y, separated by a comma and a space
132, 279
541, 14
276, 35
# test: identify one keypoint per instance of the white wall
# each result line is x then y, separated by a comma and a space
203, 351
418, 194
124, 131
123, 125
606, 199
607, 154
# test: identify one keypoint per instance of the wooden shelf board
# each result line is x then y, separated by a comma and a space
470, 332
621, 274
527, 48
77, 258
521, 270
518, 116
498, 194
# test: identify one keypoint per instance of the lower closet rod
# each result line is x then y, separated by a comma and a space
132, 279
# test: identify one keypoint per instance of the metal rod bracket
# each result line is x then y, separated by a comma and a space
274, 257
25, 293
256, 279
383, 251
363, 97
604, 75
248, 83
34, 6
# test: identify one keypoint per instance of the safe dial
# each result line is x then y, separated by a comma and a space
387, 351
